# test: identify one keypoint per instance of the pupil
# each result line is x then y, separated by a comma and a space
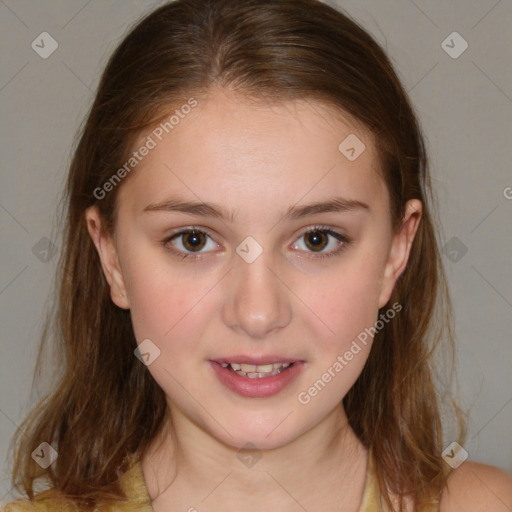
318, 239
193, 240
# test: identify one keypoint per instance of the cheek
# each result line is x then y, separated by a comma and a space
172, 314
347, 300
164, 303
346, 303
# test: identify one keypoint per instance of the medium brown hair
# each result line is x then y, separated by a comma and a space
105, 405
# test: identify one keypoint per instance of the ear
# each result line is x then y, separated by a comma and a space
400, 249
106, 248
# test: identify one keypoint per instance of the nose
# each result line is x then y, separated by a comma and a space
259, 300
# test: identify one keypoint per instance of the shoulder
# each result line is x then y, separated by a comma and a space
50, 500
473, 487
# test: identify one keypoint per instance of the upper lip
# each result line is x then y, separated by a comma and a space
256, 360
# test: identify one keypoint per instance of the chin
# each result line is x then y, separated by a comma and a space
263, 435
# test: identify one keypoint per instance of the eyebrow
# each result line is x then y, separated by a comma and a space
205, 209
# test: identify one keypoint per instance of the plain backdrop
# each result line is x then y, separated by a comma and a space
463, 97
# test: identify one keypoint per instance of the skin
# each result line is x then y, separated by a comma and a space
257, 160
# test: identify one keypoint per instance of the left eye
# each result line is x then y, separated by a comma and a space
318, 239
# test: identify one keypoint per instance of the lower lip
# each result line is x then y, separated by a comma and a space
259, 387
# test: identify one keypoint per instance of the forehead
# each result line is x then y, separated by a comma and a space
243, 151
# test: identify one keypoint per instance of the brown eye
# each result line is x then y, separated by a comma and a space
193, 240
322, 242
316, 240
190, 243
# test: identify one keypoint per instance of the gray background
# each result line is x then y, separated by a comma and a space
464, 104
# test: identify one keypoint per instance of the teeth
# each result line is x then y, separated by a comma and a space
257, 371
265, 368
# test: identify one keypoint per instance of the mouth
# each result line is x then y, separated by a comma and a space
260, 371
256, 380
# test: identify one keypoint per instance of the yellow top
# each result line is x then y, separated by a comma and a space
138, 499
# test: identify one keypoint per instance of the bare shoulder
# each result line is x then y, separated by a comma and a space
474, 487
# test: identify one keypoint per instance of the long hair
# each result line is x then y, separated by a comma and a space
104, 405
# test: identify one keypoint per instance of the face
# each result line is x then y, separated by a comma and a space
254, 273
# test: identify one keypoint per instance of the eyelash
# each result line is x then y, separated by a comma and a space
322, 229
344, 239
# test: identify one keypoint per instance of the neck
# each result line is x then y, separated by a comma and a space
186, 463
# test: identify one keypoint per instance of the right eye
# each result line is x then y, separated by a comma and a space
189, 243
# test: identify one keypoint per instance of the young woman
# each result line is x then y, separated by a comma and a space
251, 292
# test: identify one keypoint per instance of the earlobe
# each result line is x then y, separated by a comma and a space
400, 250
107, 252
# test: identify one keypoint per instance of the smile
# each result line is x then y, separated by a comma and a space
256, 381
259, 371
